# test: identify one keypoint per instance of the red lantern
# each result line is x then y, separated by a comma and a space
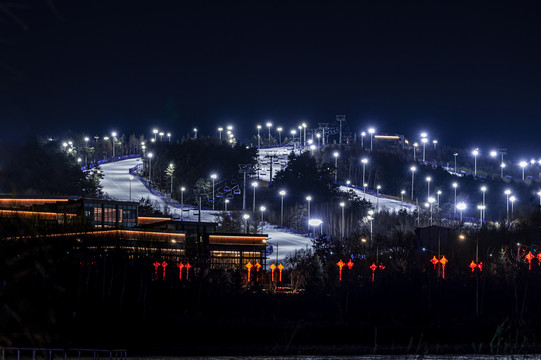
350, 264
472, 266
164, 265
281, 267
529, 257
257, 267
373, 267
381, 267
480, 266
443, 262
434, 261
180, 266
538, 256
272, 267
156, 266
188, 266
340, 266
249, 267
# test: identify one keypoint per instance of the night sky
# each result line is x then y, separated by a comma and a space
470, 75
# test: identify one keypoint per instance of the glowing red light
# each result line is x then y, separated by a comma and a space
164, 265
373, 267
538, 256
272, 267
187, 266
381, 266
257, 267
180, 266
480, 266
529, 256
249, 267
340, 264
281, 267
472, 266
156, 266
434, 261
443, 262
350, 264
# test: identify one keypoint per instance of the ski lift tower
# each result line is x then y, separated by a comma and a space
245, 169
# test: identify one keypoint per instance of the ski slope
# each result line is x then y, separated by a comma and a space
116, 185
381, 203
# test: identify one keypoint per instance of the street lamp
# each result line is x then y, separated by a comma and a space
483, 190
402, 194
246, 217
481, 209
213, 177
304, 127
131, 178
415, 145
269, 125
149, 168
309, 199
364, 161
428, 180
363, 134
455, 185
262, 209
226, 201
161, 135
195, 133
371, 218
435, 142
438, 193
113, 142
182, 189
424, 141
507, 192
282, 194
335, 154
155, 131
254, 185
512, 199
87, 139
455, 155
220, 129
413, 168
475, 153
169, 136
431, 201
258, 136
461, 206
279, 129
523, 164
342, 205
371, 131
172, 172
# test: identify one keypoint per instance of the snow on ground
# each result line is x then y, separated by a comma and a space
116, 184
277, 155
381, 203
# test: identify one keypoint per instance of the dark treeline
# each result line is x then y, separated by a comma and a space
70, 292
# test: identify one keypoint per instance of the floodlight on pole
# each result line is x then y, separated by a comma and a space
461, 206
213, 177
507, 192
523, 165
342, 205
475, 153
282, 194
262, 209
371, 131
455, 185
364, 161
413, 168
335, 154
254, 185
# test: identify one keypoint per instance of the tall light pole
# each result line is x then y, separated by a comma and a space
431, 202
438, 193
475, 153
483, 190
213, 177
507, 192
279, 129
523, 165
413, 168
262, 209
435, 142
282, 194
246, 217
254, 185
335, 154
269, 125
512, 199
539, 194
149, 169
161, 135
308, 199
371, 131
226, 201
402, 194
342, 205
371, 218
155, 132
363, 134
364, 161
424, 141
195, 133
182, 189
131, 178
428, 180
258, 136
87, 139
378, 188
461, 206
455, 185
481, 208
455, 155
169, 137
113, 137
415, 145
172, 172
220, 129
304, 127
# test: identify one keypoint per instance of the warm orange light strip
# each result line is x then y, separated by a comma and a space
107, 232
10, 201
387, 137
153, 218
49, 215
236, 237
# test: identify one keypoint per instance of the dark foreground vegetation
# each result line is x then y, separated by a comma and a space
63, 293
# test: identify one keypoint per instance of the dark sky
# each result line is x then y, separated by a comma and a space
468, 74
